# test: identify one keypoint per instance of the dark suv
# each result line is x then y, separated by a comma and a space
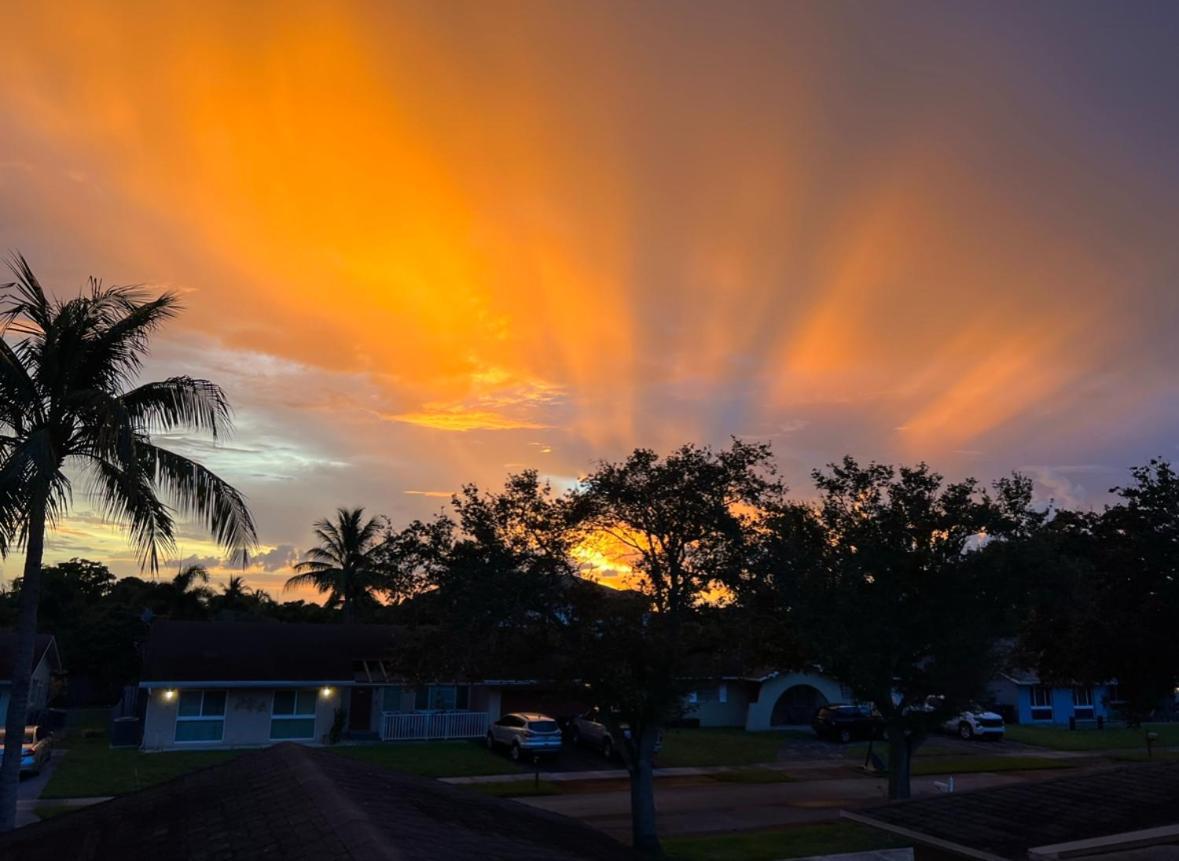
843, 722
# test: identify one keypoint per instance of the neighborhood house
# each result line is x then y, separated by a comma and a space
1032, 702
241, 684
46, 668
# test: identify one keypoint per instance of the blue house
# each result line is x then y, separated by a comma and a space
1034, 702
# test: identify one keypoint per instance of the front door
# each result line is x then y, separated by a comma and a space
360, 716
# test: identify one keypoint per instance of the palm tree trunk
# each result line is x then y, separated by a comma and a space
22, 662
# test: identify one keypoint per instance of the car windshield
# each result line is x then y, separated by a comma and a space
543, 726
854, 710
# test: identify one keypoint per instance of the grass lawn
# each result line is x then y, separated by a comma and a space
1062, 738
787, 843
516, 788
91, 768
721, 746
433, 758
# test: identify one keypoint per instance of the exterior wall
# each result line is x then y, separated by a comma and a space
247, 720
40, 685
761, 709
728, 708
1020, 697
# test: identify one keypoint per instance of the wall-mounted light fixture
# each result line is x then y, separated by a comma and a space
169, 695
325, 692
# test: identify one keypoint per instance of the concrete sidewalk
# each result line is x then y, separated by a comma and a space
621, 773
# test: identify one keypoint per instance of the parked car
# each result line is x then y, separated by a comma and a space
34, 752
846, 721
525, 734
976, 722
590, 730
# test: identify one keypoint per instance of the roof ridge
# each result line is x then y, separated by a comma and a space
360, 835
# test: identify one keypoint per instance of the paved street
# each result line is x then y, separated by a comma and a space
712, 807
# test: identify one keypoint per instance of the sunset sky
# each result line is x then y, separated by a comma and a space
424, 244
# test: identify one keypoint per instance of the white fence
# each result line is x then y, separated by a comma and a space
408, 726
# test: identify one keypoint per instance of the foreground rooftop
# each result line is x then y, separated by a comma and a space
293, 802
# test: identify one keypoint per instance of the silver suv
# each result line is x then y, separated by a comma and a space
525, 733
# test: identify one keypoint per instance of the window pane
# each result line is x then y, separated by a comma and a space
199, 730
214, 704
391, 699
305, 703
442, 697
421, 698
292, 728
190, 703
284, 702
463, 698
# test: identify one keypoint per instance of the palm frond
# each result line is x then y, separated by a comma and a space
197, 491
179, 402
126, 496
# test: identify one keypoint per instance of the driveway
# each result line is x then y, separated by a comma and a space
31, 788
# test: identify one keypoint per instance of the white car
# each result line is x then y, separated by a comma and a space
590, 730
525, 733
976, 724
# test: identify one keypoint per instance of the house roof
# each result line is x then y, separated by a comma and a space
45, 644
187, 652
295, 803
1008, 821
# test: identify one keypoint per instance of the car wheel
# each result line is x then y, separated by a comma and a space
965, 731
490, 741
608, 749
845, 736
515, 751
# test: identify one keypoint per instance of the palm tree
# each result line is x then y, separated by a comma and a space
346, 564
66, 400
190, 593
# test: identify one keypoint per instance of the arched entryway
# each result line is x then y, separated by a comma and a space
797, 705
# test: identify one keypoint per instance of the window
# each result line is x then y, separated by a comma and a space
1041, 702
1083, 703
391, 699
293, 715
441, 698
200, 716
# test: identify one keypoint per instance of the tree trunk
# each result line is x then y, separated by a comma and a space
900, 761
642, 793
22, 664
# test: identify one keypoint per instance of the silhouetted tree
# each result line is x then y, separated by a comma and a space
1107, 595
66, 398
347, 563
882, 578
680, 522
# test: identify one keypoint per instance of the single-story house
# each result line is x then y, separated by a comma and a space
241, 684
1033, 702
46, 667
763, 700
300, 804
1125, 813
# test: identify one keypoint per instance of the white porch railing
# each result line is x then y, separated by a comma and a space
410, 726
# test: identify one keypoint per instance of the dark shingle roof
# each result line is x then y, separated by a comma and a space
8, 649
291, 802
1007, 821
260, 651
